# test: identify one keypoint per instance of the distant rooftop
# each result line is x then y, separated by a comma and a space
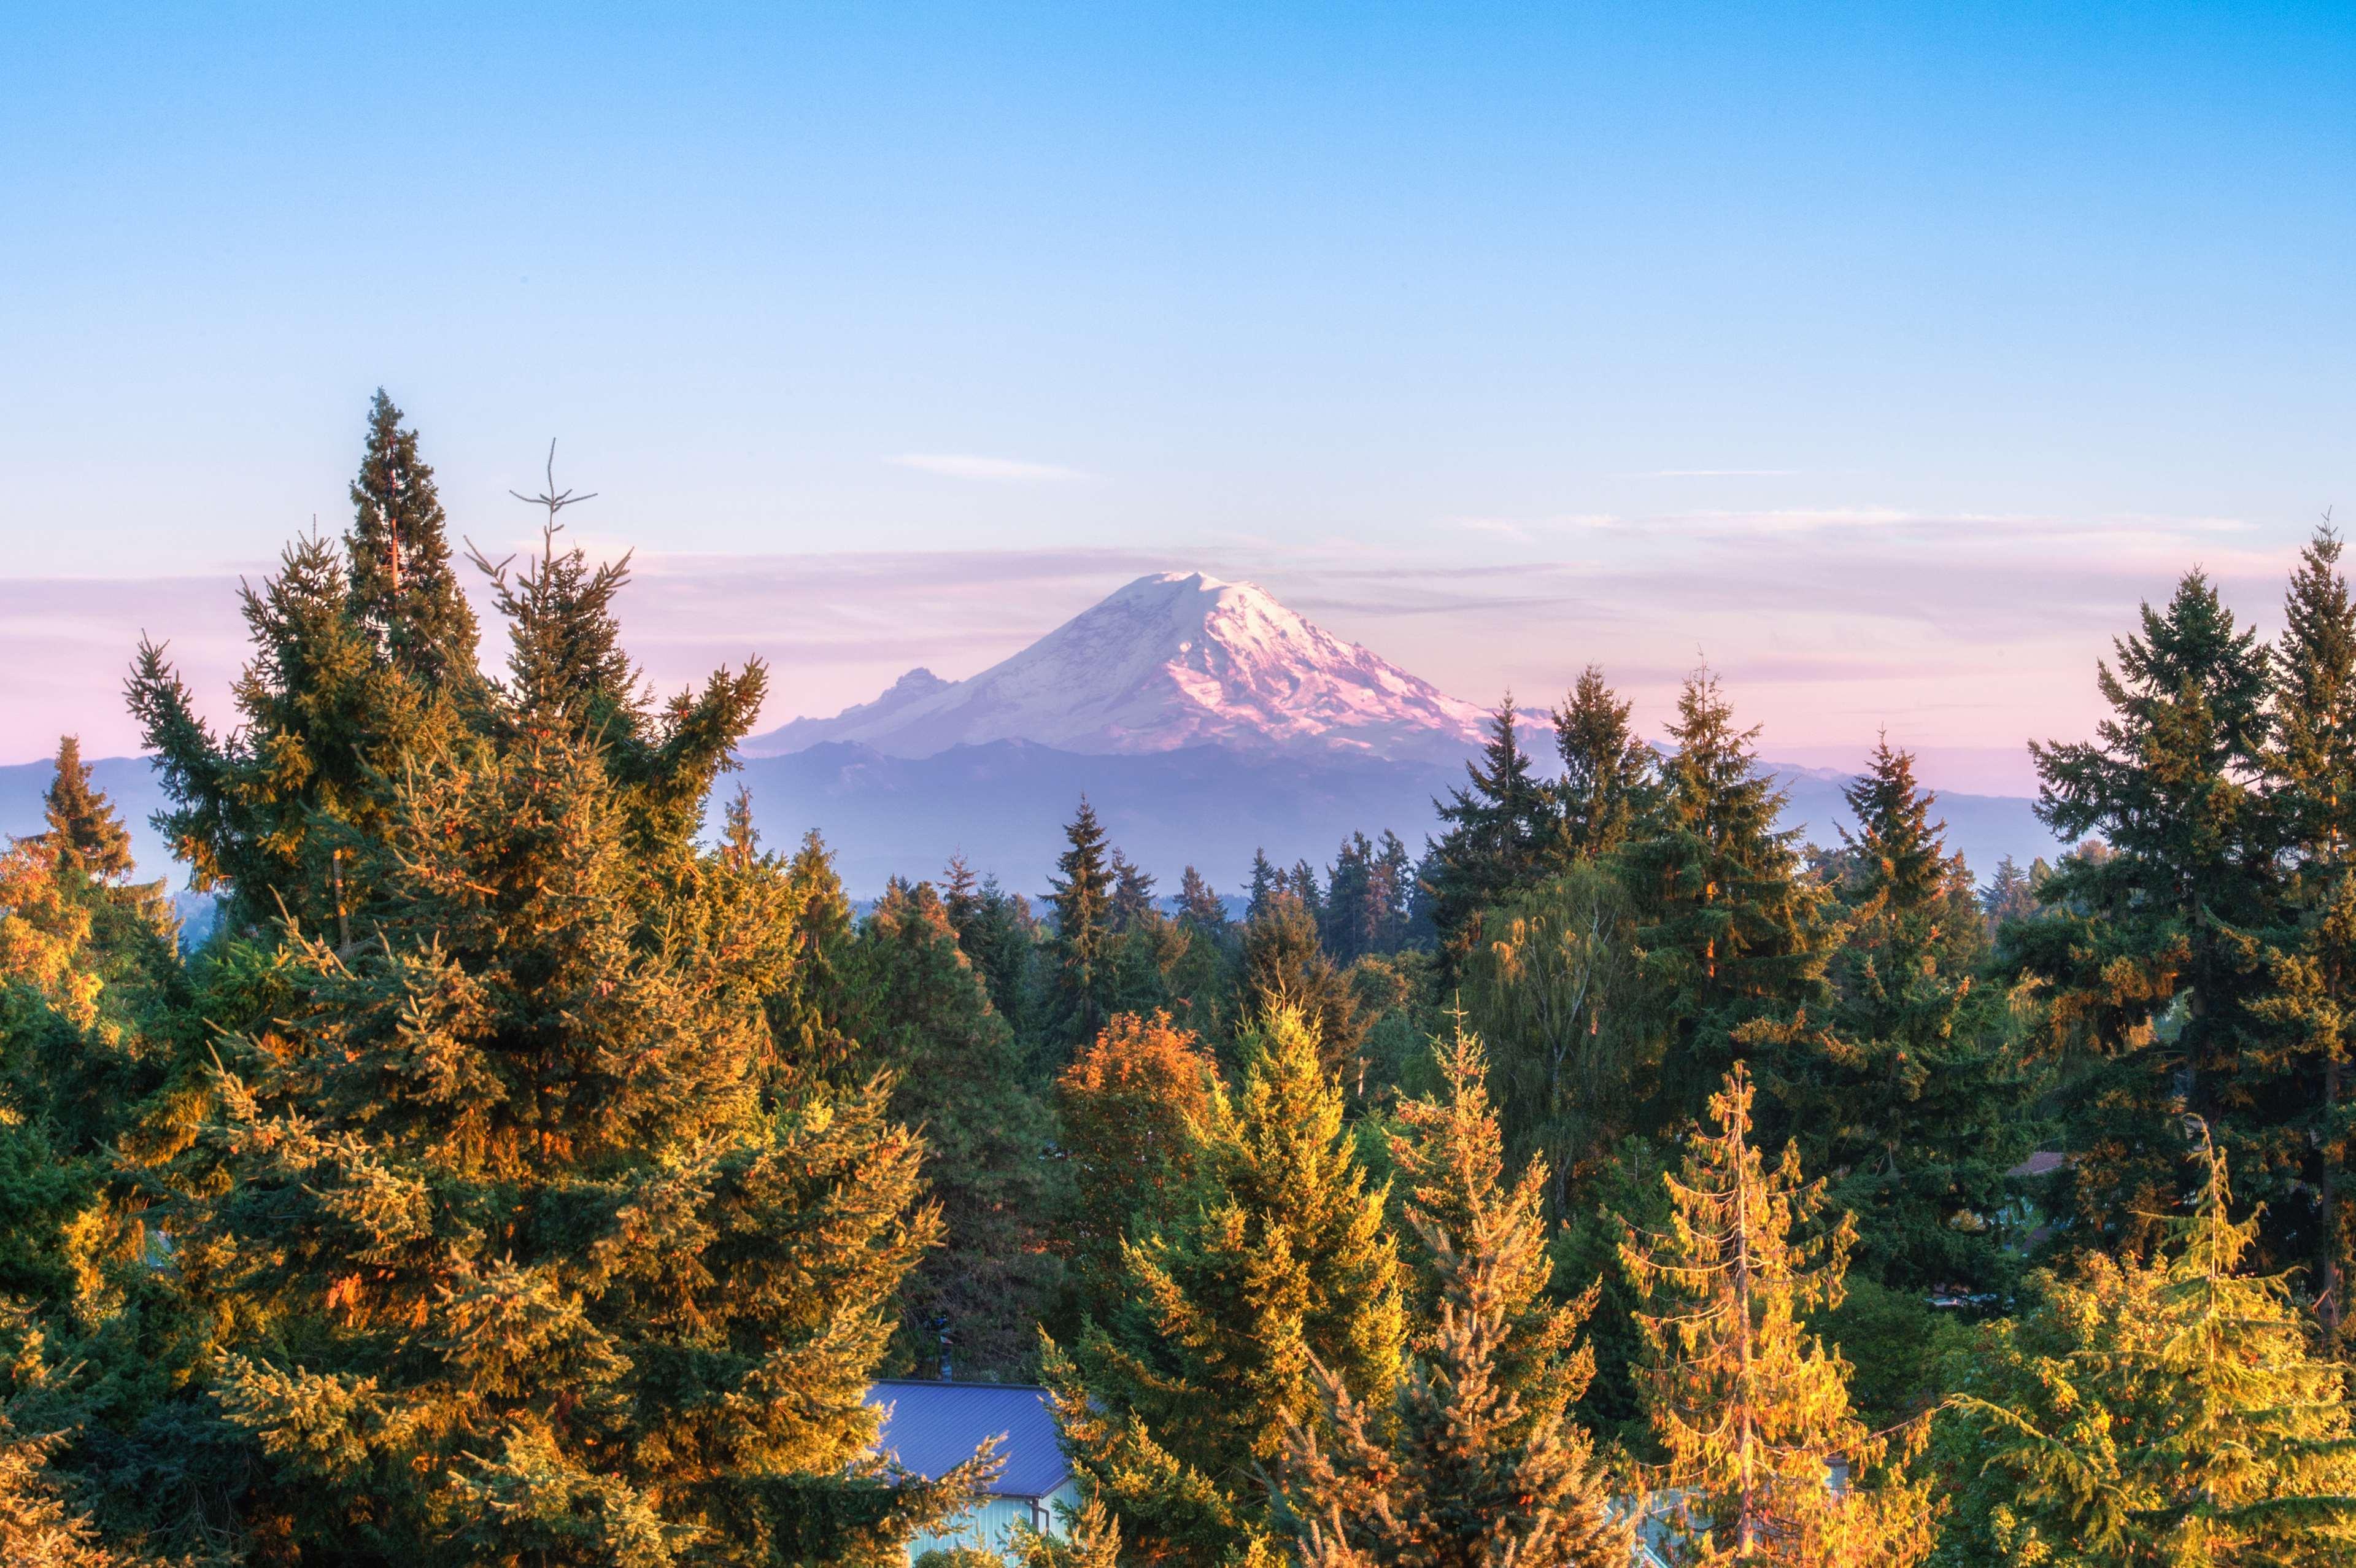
934, 1427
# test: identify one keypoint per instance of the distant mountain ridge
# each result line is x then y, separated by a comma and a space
1204, 719
1168, 661
1003, 806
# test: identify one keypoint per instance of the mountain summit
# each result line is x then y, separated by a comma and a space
1171, 660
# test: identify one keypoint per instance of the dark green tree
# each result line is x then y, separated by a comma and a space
405, 594
1200, 908
1301, 882
2147, 956
1285, 966
1730, 930
921, 1013
1265, 880
1000, 935
1498, 825
2289, 1117
1899, 1088
810, 1003
1082, 893
1394, 878
1132, 894
1607, 771
540, 1261
2007, 895
1352, 922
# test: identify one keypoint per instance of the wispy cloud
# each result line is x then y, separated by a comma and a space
990, 470
1498, 526
1715, 474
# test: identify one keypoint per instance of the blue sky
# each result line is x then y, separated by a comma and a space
1574, 332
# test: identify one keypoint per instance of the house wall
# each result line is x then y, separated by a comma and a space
991, 1526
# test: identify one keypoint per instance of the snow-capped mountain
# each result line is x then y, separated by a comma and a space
1171, 660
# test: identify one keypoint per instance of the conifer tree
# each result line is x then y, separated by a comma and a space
1132, 894
1607, 771
999, 934
2172, 1411
1134, 1104
1347, 927
2007, 895
1900, 853
1751, 1411
2159, 929
1394, 877
2290, 1112
1173, 1414
1266, 880
809, 1005
541, 1260
1301, 882
1498, 824
323, 724
1898, 1088
1200, 908
1475, 1463
567, 667
1729, 929
84, 834
921, 1013
960, 895
1082, 896
1285, 966
405, 594
1558, 990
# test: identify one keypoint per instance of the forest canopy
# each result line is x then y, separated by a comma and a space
536, 1165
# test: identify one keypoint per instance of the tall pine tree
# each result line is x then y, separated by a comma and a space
1751, 1411
405, 593
535, 1254
1476, 1462
1173, 1414
1607, 771
83, 831
1729, 929
1082, 893
1899, 1088
2290, 1118
1499, 822
2148, 954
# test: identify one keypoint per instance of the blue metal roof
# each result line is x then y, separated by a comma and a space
932, 1428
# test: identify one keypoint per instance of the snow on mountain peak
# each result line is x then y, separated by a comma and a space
1168, 660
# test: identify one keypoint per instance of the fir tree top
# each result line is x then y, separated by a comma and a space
84, 833
1606, 768
403, 588
1904, 860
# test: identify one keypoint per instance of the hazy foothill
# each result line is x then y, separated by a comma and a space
540, 1156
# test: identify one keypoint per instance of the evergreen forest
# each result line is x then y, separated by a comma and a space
542, 1153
